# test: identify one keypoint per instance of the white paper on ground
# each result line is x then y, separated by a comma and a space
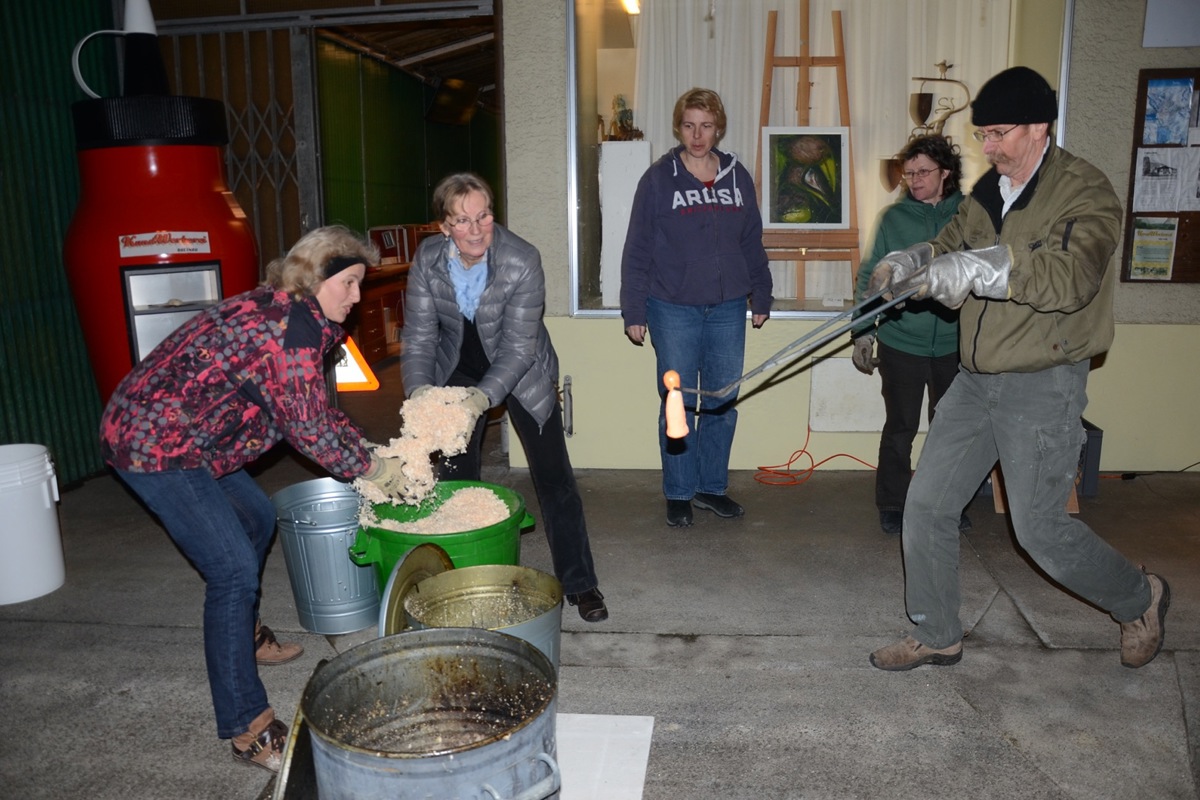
603, 756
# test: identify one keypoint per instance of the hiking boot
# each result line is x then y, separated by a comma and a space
269, 651
1142, 639
262, 748
719, 504
679, 513
908, 653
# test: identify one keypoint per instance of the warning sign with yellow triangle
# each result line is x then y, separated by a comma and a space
352, 372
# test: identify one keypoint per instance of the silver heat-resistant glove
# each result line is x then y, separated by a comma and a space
897, 266
863, 354
387, 474
477, 401
949, 278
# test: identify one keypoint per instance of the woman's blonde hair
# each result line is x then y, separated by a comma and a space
302, 270
705, 100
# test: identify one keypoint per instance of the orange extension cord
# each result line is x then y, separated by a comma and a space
784, 475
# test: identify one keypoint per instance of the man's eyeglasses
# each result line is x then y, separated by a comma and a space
462, 224
993, 136
919, 173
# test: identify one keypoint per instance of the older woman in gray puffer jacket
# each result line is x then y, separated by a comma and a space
473, 318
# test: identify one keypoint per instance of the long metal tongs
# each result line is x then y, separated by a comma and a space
806, 343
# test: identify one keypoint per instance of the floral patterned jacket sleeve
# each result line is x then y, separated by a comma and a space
229, 385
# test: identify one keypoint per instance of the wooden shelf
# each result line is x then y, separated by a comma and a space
383, 291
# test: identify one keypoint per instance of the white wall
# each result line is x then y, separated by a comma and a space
1142, 397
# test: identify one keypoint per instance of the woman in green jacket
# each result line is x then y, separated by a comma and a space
917, 343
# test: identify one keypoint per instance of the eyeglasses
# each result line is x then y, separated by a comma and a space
993, 136
919, 173
462, 224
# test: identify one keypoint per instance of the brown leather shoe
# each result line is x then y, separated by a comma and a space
264, 748
269, 651
591, 605
1142, 639
908, 653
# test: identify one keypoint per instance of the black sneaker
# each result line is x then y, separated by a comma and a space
679, 513
719, 504
891, 521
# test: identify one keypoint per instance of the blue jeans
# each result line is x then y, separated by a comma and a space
224, 527
705, 344
1030, 422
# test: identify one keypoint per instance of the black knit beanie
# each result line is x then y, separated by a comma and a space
1016, 96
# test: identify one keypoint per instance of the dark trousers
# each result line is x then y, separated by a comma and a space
905, 380
553, 480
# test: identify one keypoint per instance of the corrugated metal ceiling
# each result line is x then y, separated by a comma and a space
451, 39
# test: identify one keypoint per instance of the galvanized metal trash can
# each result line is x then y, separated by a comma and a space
317, 522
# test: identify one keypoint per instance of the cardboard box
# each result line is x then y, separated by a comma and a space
1089, 460
1088, 476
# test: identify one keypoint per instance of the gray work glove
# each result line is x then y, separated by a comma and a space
387, 474
477, 401
863, 354
949, 278
898, 266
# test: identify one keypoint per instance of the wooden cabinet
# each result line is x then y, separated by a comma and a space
380, 313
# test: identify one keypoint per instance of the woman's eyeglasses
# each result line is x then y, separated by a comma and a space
462, 224
919, 173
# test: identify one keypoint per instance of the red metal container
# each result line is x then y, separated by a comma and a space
157, 235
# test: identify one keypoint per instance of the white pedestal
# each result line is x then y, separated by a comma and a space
621, 167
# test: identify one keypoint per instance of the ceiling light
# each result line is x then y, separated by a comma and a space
632, 7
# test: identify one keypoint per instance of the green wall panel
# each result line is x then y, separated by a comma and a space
48, 394
380, 158
341, 156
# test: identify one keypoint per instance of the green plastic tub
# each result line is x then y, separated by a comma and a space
495, 544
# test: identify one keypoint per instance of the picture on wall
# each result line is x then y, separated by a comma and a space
804, 181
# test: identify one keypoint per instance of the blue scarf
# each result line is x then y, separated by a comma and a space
468, 283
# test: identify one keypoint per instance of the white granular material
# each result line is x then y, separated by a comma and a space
466, 509
434, 422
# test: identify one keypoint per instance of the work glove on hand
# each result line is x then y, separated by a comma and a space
477, 401
949, 278
863, 354
387, 474
898, 266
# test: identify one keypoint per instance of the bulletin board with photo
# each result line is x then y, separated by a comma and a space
1162, 215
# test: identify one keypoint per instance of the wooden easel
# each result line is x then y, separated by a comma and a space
814, 245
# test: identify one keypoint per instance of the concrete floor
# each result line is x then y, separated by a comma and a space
746, 640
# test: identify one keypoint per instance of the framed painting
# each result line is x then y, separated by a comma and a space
805, 186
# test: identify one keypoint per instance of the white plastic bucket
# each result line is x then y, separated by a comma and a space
31, 554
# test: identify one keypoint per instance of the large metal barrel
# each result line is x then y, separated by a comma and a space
520, 601
451, 713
